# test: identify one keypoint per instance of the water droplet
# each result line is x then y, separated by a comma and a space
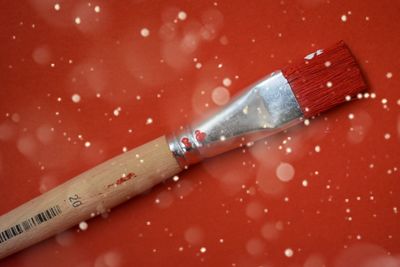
42, 55
255, 246
269, 231
254, 210
194, 235
220, 95
285, 172
27, 145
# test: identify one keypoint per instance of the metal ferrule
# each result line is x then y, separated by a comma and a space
264, 108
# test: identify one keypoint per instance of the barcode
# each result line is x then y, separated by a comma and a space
29, 223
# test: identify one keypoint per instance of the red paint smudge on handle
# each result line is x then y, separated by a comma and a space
122, 179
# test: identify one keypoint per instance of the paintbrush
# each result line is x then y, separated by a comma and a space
320, 81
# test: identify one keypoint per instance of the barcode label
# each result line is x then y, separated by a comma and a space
29, 223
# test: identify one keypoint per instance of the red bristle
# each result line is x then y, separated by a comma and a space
324, 81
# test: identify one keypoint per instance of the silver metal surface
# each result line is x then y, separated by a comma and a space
266, 107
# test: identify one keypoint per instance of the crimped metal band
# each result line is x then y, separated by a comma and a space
264, 108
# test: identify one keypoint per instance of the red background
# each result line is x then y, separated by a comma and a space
233, 206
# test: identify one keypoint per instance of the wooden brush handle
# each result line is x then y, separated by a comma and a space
89, 194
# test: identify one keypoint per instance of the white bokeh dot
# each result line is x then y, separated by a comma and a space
83, 226
145, 32
289, 252
182, 15
76, 98
227, 82
149, 121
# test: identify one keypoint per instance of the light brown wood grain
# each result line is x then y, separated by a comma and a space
91, 193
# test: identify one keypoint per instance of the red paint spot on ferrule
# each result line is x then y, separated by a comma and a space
185, 141
200, 136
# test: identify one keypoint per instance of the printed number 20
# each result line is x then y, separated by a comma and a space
75, 201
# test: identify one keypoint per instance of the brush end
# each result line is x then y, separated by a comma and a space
325, 79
